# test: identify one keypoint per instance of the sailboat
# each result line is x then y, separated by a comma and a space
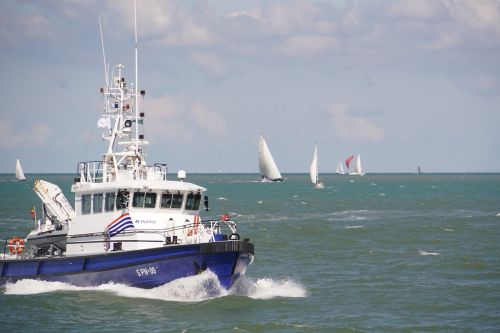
19, 171
268, 169
313, 171
348, 162
340, 169
358, 170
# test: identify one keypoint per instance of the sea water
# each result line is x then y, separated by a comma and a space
379, 253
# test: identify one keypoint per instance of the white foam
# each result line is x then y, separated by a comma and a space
498, 214
222, 198
190, 289
353, 226
259, 202
425, 253
446, 229
268, 288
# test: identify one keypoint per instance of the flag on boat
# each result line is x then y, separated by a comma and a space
33, 213
119, 225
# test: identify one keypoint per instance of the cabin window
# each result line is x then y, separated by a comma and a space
150, 200
97, 203
86, 204
109, 204
144, 200
177, 200
166, 200
122, 199
193, 201
169, 200
138, 199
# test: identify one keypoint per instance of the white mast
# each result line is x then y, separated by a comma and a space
136, 84
103, 55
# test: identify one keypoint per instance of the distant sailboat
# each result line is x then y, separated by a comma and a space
19, 171
313, 171
358, 170
268, 169
340, 169
419, 170
348, 162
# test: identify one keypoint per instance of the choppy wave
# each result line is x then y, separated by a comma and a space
425, 253
353, 227
190, 289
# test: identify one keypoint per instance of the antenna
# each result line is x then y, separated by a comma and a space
136, 83
103, 55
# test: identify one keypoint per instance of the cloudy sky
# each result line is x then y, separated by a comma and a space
402, 82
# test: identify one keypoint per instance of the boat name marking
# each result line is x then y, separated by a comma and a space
145, 221
145, 271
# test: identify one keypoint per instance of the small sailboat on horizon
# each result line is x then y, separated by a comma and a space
267, 167
358, 170
340, 169
313, 171
19, 171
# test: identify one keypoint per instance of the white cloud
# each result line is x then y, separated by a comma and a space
16, 28
477, 14
12, 138
308, 45
181, 118
208, 62
169, 23
421, 9
210, 121
353, 127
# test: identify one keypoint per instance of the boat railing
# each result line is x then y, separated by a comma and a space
158, 171
90, 171
213, 227
161, 169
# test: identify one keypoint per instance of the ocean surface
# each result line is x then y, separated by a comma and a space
379, 253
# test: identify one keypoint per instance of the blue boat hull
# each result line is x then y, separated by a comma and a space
142, 268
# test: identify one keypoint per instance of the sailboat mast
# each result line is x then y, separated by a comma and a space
136, 83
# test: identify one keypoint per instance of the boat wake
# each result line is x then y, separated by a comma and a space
267, 288
190, 289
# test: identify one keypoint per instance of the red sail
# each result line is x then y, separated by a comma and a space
348, 161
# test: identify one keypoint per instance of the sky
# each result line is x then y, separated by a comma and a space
404, 83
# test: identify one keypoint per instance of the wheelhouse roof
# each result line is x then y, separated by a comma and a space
148, 185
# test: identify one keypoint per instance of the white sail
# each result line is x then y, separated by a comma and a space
267, 166
313, 171
340, 169
19, 171
358, 170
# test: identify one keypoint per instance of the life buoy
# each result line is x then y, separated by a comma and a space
16, 245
